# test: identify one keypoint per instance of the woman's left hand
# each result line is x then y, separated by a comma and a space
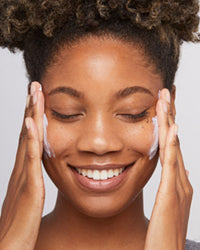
169, 220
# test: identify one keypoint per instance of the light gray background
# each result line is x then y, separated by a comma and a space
13, 88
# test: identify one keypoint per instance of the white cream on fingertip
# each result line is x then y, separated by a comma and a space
159, 93
154, 148
40, 88
47, 148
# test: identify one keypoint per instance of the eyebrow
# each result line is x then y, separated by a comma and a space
120, 94
67, 90
132, 90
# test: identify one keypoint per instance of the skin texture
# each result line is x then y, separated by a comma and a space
101, 133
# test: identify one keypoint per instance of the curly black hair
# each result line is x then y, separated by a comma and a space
40, 28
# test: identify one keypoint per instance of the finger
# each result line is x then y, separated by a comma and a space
167, 97
163, 126
20, 155
33, 156
169, 170
184, 188
184, 174
38, 110
22, 137
182, 179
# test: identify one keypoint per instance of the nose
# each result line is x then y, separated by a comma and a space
99, 136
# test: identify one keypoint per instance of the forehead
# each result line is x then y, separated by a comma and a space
97, 64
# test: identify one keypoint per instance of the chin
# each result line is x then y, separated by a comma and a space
101, 207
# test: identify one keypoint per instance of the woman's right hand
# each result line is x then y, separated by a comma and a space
23, 205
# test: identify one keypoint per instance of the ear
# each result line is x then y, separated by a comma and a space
173, 97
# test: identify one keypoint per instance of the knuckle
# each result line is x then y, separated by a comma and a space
174, 143
41, 142
22, 136
170, 112
29, 190
25, 189
161, 148
177, 141
31, 156
189, 191
170, 162
182, 198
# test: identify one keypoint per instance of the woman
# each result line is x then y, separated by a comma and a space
100, 111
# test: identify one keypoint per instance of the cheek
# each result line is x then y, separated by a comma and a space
59, 139
142, 137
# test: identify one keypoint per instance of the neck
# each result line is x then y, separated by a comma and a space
126, 228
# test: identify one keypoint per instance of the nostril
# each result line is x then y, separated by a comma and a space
99, 146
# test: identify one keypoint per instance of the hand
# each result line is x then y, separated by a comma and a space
23, 205
168, 224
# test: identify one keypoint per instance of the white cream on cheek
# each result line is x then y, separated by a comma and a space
154, 147
47, 147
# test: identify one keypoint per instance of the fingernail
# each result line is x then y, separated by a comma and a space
167, 95
27, 101
33, 88
35, 97
27, 122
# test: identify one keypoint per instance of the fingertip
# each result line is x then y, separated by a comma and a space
40, 88
35, 86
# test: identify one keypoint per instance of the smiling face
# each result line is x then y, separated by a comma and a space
100, 99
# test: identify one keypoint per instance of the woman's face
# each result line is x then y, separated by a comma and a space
91, 93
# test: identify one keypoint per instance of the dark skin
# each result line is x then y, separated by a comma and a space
110, 68
101, 132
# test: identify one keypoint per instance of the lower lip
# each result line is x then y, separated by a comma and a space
101, 185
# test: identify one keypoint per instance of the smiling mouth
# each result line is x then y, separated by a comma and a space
104, 174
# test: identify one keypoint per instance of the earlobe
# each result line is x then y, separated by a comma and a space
173, 97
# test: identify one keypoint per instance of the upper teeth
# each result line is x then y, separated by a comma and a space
100, 175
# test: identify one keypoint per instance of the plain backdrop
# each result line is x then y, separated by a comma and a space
13, 89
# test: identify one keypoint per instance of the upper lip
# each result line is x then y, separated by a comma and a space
102, 166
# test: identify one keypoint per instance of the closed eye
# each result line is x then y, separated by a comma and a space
65, 117
135, 117
129, 117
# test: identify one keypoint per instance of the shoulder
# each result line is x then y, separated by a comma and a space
192, 245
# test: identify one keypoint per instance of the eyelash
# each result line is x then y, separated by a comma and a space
128, 116
64, 117
136, 117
